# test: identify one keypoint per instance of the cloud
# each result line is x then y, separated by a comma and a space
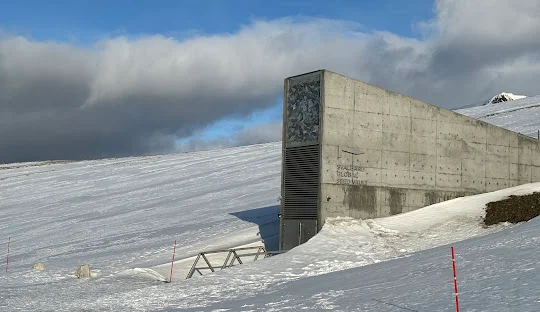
136, 96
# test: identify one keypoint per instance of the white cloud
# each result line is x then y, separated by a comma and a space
131, 96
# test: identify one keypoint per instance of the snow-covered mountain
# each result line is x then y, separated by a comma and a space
504, 97
521, 115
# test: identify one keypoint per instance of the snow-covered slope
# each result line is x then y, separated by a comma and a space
497, 272
522, 115
122, 215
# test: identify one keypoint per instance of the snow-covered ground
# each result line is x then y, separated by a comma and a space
520, 115
122, 215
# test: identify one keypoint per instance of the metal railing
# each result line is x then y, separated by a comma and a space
233, 255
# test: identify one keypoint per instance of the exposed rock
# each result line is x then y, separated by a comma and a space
38, 266
504, 97
83, 271
514, 209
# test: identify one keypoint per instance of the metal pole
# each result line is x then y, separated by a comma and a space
172, 262
455, 280
237, 257
7, 257
193, 267
300, 233
258, 252
227, 260
207, 262
538, 134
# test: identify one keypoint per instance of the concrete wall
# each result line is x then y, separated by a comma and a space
383, 153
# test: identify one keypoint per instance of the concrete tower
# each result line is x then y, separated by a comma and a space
354, 150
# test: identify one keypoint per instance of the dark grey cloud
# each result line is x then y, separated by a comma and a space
137, 96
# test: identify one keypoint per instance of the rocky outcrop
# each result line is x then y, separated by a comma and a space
504, 97
83, 271
38, 266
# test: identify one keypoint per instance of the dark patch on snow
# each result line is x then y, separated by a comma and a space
514, 209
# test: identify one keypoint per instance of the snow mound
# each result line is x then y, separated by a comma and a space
504, 97
146, 273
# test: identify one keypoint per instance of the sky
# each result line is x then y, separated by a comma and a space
93, 79
83, 22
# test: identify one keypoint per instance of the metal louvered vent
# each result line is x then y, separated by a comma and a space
301, 182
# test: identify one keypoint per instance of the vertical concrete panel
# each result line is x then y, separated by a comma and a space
449, 148
449, 165
493, 184
396, 124
474, 184
525, 173
449, 130
396, 142
398, 105
473, 150
395, 160
415, 199
513, 171
423, 127
423, 145
423, 163
339, 92
362, 201
422, 180
535, 173
474, 133
369, 158
370, 139
513, 155
449, 181
498, 170
367, 121
498, 136
422, 110
473, 167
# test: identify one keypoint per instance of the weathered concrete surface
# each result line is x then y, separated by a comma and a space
399, 154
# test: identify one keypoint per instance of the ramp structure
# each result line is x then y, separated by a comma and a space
351, 149
233, 255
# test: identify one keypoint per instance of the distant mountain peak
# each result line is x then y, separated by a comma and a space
504, 97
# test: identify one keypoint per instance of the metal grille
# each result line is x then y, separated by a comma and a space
301, 182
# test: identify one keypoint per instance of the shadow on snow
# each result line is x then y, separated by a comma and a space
268, 221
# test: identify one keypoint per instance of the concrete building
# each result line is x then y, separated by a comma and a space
355, 150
